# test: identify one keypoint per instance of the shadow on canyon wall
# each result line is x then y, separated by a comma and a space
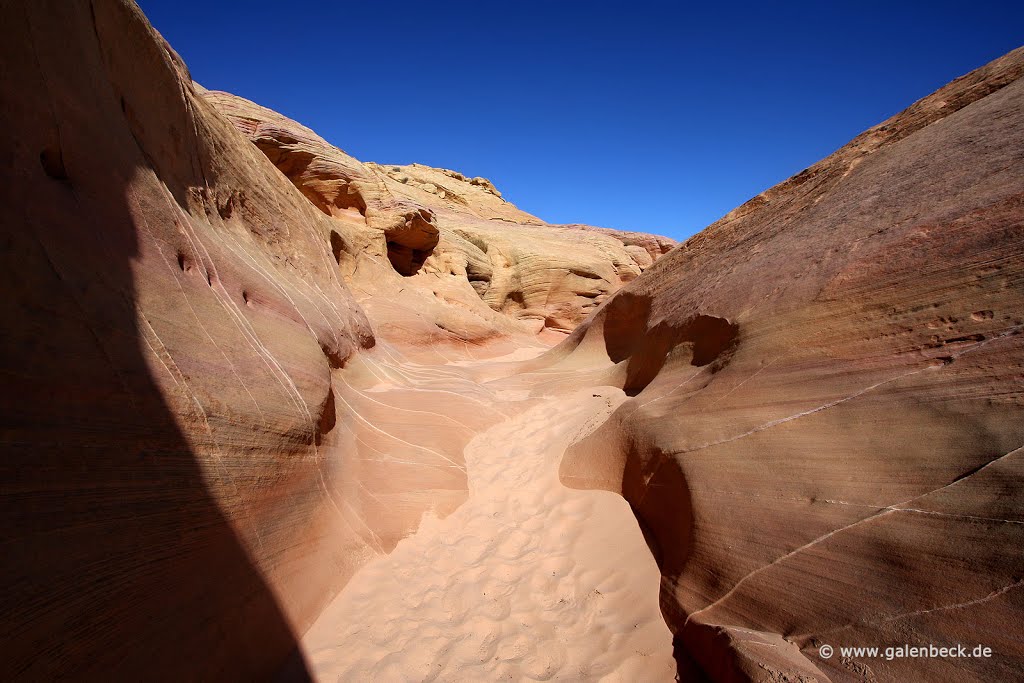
623, 458
117, 561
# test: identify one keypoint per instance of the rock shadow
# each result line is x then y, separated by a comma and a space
411, 243
654, 485
699, 340
118, 564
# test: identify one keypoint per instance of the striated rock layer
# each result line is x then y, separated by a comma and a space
466, 253
173, 317
183, 462
824, 442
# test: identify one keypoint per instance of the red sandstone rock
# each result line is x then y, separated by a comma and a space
825, 439
173, 317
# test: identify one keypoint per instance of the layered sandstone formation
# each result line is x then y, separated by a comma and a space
265, 404
193, 453
465, 252
527, 580
825, 436
174, 316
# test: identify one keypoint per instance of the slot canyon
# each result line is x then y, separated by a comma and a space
274, 413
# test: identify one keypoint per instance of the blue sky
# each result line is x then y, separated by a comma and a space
637, 115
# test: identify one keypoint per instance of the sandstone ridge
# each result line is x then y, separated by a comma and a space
455, 236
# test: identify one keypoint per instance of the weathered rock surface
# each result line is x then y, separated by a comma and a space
825, 439
194, 452
463, 243
183, 462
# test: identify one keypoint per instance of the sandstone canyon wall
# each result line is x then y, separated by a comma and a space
825, 440
184, 459
173, 314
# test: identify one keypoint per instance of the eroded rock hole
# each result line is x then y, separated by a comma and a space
52, 160
701, 341
405, 259
337, 246
712, 337
514, 302
348, 198
328, 418
411, 244
625, 324
479, 278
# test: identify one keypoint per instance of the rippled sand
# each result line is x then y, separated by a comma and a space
527, 580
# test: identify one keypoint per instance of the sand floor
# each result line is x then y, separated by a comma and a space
527, 580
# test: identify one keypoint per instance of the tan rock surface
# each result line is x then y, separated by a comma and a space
460, 240
173, 316
193, 465
183, 461
825, 439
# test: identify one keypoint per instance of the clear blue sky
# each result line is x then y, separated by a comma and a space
638, 115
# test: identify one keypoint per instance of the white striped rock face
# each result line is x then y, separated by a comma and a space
173, 313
